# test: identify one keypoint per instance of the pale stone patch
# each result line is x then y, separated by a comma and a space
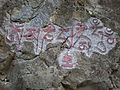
88, 37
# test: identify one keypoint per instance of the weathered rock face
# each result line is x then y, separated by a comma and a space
6, 58
22, 69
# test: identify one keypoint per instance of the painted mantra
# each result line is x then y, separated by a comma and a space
67, 59
88, 37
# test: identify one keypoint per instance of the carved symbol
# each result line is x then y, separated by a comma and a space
11, 38
48, 37
49, 30
108, 31
85, 37
101, 47
67, 59
85, 44
110, 40
62, 35
95, 21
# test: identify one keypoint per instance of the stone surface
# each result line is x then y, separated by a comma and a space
34, 74
27, 71
6, 58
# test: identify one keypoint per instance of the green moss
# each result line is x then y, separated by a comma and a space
31, 57
42, 58
104, 19
93, 15
118, 34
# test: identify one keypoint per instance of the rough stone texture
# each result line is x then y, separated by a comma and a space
42, 72
34, 74
6, 58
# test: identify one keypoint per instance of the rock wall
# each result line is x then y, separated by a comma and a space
78, 43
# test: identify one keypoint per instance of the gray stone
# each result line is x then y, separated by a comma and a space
6, 58
33, 74
42, 72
